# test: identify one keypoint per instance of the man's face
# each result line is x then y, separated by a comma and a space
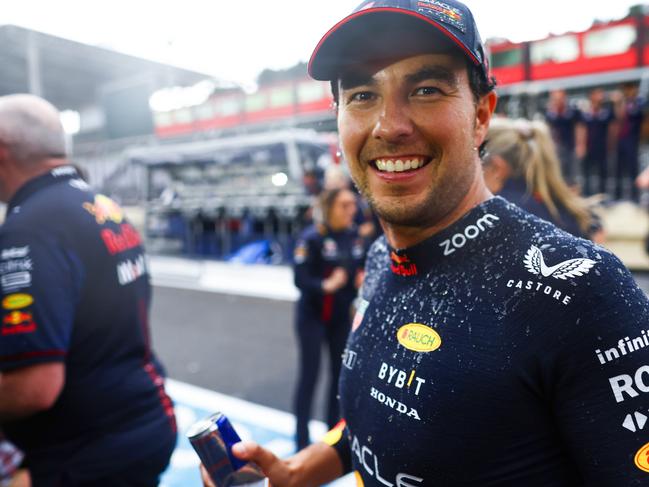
409, 129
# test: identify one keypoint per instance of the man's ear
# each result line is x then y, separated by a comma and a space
484, 111
496, 172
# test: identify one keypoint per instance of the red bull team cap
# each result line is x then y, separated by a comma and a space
339, 46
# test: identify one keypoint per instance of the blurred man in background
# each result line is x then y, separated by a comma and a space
81, 392
630, 110
565, 121
600, 140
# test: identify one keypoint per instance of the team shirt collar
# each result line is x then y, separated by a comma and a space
33, 185
465, 237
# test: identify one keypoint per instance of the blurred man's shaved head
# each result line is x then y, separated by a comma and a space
30, 128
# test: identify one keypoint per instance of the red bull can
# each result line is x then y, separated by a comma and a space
212, 438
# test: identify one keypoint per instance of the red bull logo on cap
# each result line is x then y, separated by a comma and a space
104, 209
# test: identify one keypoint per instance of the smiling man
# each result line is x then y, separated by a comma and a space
490, 348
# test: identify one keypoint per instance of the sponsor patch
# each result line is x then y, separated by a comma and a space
349, 359
360, 312
14, 252
18, 322
300, 253
130, 270
358, 249
627, 386
443, 12
16, 265
535, 263
104, 209
642, 458
540, 287
79, 184
126, 239
401, 265
329, 249
17, 301
15, 280
623, 347
64, 171
419, 337
470, 232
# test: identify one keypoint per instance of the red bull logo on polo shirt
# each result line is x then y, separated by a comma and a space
104, 209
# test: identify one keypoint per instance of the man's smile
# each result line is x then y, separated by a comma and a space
399, 163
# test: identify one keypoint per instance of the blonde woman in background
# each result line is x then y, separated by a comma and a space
522, 166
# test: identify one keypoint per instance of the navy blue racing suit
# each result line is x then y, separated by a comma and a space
501, 351
75, 289
322, 317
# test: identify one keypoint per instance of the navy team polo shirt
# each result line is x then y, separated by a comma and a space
500, 352
75, 289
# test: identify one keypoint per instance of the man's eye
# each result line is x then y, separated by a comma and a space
361, 96
427, 90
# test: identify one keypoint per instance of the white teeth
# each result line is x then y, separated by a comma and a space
399, 165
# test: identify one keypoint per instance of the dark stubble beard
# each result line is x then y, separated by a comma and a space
438, 203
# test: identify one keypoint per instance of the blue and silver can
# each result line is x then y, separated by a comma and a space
212, 438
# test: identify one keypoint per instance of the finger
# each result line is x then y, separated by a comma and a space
249, 450
272, 466
207, 481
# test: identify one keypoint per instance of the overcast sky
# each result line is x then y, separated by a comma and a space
236, 39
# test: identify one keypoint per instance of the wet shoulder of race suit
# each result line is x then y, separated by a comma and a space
75, 289
501, 351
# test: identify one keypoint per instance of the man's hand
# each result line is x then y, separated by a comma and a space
21, 479
642, 180
315, 465
335, 281
276, 470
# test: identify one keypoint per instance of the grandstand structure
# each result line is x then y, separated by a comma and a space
109, 90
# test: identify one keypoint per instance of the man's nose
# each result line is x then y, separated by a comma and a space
393, 123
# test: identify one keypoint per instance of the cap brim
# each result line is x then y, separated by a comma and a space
332, 54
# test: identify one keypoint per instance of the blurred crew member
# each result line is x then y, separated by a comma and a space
564, 120
328, 257
630, 110
522, 166
493, 348
81, 392
599, 134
